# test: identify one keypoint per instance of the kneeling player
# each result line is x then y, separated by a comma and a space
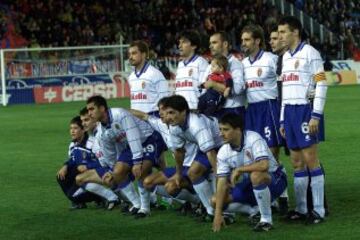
248, 154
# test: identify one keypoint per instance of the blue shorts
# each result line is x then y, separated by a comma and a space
203, 160
102, 170
243, 191
170, 171
153, 146
237, 110
263, 117
296, 125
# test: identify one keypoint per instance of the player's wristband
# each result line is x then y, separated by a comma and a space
316, 115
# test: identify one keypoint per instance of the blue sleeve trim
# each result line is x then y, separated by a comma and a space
223, 174
137, 161
316, 115
262, 158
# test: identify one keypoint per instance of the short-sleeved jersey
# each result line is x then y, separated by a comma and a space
123, 131
253, 149
191, 149
188, 76
299, 72
85, 143
237, 98
260, 77
147, 87
198, 129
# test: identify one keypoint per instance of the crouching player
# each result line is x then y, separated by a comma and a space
246, 154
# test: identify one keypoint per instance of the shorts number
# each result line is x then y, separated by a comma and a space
305, 127
267, 133
149, 148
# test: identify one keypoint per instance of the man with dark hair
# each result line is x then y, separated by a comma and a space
203, 131
126, 144
191, 69
302, 74
263, 111
66, 175
245, 153
147, 83
219, 44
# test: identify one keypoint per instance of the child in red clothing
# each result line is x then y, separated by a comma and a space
212, 100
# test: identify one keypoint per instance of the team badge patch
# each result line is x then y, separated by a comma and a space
143, 85
84, 155
117, 126
248, 154
259, 72
190, 72
297, 63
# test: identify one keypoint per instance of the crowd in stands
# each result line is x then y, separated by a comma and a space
78, 22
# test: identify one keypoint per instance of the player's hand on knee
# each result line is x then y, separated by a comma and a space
235, 175
62, 173
218, 223
81, 168
108, 179
313, 126
282, 131
137, 168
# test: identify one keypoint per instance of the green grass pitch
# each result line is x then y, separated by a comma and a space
33, 146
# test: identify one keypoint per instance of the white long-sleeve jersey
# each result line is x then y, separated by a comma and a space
198, 129
123, 130
302, 73
188, 76
260, 77
253, 149
236, 69
191, 149
147, 87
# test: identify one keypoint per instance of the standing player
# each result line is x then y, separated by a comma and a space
202, 131
263, 112
302, 73
191, 69
147, 84
219, 44
246, 153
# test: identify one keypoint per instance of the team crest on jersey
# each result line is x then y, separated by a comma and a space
190, 72
84, 155
117, 126
248, 154
143, 85
259, 72
297, 63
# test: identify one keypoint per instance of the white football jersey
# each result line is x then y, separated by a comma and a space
191, 149
236, 69
254, 149
147, 87
188, 76
123, 130
300, 71
198, 129
260, 77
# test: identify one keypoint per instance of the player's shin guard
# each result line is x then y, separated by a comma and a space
128, 190
144, 197
317, 189
102, 191
263, 199
301, 181
204, 191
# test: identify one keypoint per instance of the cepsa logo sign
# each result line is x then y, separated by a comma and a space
78, 89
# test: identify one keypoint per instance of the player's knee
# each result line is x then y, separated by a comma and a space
147, 182
80, 180
194, 174
259, 178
